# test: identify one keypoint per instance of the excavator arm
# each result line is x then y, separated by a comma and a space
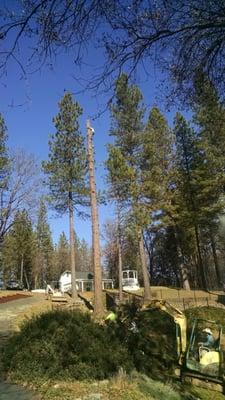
179, 319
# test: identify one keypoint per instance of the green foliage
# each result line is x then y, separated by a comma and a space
157, 390
62, 255
66, 168
55, 349
121, 175
209, 115
185, 196
127, 114
123, 160
63, 344
155, 160
83, 255
18, 249
43, 270
211, 313
152, 344
126, 119
42, 229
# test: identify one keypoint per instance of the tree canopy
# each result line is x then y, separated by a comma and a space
181, 37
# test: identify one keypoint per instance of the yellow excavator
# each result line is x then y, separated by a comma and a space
200, 352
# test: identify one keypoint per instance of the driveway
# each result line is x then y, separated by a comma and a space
10, 313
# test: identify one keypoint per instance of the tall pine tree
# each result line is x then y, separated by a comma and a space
66, 168
18, 250
123, 161
188, 194
44, 254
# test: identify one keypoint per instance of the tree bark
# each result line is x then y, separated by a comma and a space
182, 268
147, 290
98, 300
72, 248
120, 268
200, 262
149, 246
119, 250
35, 281
215, 258
21, 270
26, 279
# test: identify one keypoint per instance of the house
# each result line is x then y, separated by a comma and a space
84, 281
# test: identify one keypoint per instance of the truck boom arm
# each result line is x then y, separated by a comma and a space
179, 319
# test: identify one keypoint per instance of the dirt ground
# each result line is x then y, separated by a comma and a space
10, 293
17, 308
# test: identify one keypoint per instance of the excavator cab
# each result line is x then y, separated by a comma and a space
199, 349
204, 355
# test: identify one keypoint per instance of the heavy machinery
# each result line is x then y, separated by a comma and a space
199, 363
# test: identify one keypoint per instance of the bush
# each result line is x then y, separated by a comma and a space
64, 344
153, 345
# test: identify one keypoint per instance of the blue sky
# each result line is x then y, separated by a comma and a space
28, 106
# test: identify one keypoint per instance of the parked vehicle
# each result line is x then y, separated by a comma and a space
14, 285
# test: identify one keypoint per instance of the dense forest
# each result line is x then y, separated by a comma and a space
165, 182
30, 256
168, 186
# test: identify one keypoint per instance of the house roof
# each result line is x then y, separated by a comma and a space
81, 274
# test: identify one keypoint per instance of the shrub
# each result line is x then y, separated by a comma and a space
153, 345
64, 344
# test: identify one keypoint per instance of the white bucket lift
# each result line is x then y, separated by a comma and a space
130, 280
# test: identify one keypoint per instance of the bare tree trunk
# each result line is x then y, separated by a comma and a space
72, 248
215, 258
35, 281
120, 263
120, 268
200, 262
98, 300
183, 269
147, 290
26, 279
21, 270
150, 250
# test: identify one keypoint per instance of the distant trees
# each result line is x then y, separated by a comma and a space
209, 116
173, 181
84, 252
43, 271
83, 255
66, 168
18, 251
62, 255
110, 251
19, 182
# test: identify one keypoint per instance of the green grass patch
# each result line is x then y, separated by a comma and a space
210, 313
121, 387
